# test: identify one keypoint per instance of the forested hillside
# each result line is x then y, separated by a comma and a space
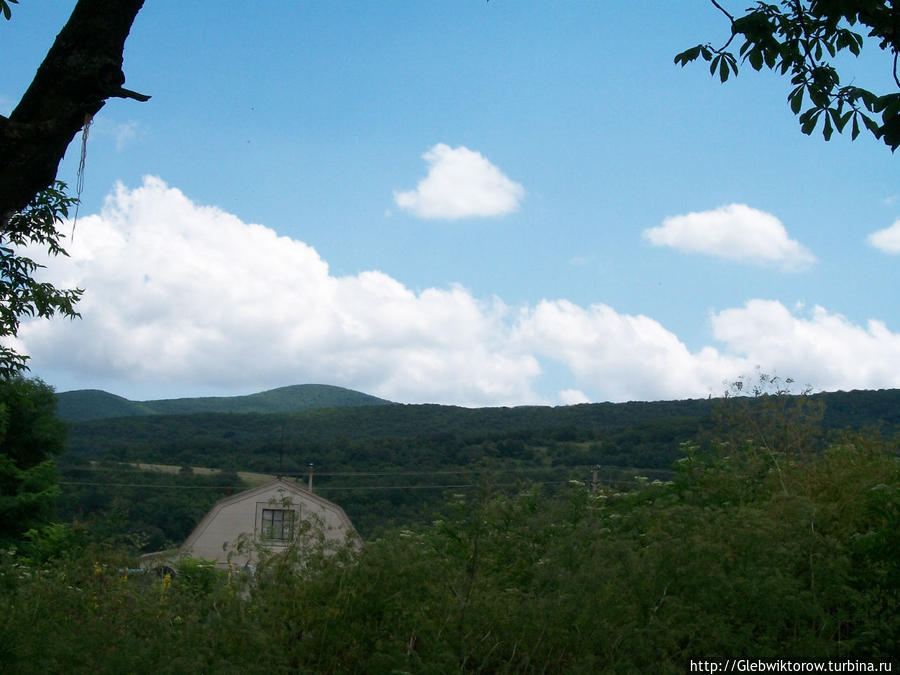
395, 464
632, 434
91, 404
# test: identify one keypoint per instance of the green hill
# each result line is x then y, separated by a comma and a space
340, 436
92, 404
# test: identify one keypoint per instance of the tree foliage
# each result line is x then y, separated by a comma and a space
719, 563
30, 438
21, 294
803, 39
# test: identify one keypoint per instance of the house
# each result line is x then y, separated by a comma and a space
271, 514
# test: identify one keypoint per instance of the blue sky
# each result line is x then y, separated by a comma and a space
468, 202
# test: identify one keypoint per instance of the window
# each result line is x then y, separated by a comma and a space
277, 524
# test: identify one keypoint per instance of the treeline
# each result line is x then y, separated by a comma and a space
237, 438
239, 441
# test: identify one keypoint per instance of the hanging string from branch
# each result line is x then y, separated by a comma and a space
79, 181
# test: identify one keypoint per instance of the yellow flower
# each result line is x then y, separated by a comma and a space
166, 582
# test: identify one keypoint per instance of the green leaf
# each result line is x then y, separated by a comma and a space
20, 294
818, 96
872, 126
755, 58
869, 99
4, 7
796, 100
890, 133
688, 55
827, 129
890, 106
841, 121
723, 70
808, 120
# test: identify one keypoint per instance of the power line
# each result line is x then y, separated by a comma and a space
148, 485
446, 486
348, 474
483, 473
433, 487
323, 488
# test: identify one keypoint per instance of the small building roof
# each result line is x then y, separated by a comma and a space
335, 518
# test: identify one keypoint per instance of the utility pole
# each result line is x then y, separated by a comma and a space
595, 483
281, 455
311, 469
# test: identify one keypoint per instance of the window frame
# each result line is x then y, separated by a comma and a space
277, 524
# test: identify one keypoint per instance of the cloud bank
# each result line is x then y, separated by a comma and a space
823, 349
460, 183
180, 293
190, 297
734, 232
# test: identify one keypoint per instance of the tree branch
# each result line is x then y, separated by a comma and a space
731, 19
722, 9
896, 77
80, 72
122, 92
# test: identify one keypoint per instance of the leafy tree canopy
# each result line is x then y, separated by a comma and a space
30, 437
22, 295
803, 38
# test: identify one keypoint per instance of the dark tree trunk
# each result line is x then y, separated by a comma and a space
82, 69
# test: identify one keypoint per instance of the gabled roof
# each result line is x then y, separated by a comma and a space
278, 483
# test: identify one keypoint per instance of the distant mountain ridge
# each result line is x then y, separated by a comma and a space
95, 404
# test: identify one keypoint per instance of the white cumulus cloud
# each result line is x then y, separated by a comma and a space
573, 397
888, 239
461, 183
823, 348
734, 232
180, 293
184, 297
623, 356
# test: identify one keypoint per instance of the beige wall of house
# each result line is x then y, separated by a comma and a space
271, 514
